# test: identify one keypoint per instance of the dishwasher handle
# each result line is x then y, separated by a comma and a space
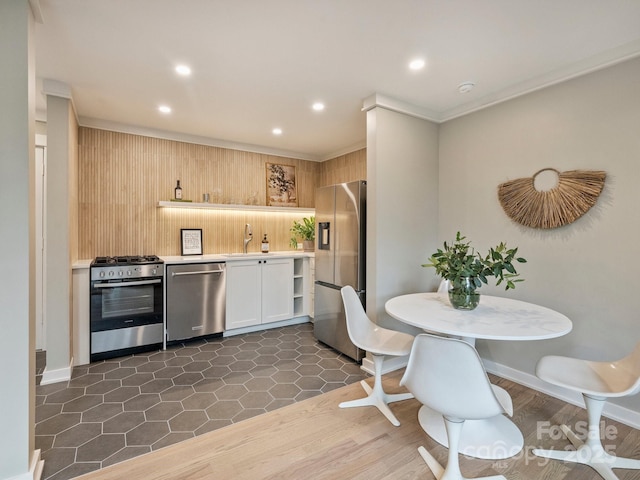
203, 272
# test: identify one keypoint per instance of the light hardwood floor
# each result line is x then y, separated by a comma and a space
314, 439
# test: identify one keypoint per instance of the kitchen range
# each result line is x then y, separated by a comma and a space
126, 305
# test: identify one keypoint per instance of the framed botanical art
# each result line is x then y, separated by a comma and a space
281, 185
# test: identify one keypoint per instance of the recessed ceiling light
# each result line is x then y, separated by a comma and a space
183, 70
466, 87
164, 109
277, 131
417, 64
318, 106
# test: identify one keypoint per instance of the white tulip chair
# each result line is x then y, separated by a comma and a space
596, 381
378, 342
447, 375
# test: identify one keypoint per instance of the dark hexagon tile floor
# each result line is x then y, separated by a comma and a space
119, 408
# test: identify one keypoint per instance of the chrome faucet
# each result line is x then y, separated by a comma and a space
248, 236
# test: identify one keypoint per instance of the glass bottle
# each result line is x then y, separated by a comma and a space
265, 244
178, 191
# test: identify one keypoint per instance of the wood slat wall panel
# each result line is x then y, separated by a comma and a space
345, 168
123, 176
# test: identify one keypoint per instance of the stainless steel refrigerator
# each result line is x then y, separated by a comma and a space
340, 256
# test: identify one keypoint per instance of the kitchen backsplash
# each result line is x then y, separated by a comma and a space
123, 176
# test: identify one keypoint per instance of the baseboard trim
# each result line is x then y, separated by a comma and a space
35, 468
37, 465
266, 326
58, 375
611, 410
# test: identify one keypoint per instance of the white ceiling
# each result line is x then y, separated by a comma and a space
260, 64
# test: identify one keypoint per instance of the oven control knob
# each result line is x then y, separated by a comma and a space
120, 273
129, 272
153, 272
111, 274
101, 274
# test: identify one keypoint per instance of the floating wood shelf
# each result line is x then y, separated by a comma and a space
227, 206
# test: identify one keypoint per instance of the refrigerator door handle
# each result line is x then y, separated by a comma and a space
324, 235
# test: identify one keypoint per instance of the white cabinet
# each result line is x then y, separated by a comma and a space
259, 291
244, 294
277, 289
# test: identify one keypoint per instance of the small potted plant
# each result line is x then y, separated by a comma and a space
305, 230
467, 270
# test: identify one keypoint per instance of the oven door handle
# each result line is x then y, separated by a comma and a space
203, 272
127, 284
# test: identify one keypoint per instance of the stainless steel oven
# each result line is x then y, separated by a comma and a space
126, 307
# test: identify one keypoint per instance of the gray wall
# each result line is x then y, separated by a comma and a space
17, 287
402, 203
58, 238
586, 270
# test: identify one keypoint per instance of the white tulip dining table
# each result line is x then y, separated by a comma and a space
495, 318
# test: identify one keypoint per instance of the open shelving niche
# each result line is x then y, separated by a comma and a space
300, 300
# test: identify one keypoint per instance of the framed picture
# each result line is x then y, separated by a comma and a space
281, 185
190, 241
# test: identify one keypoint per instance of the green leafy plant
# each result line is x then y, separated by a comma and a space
305, 230
459, 261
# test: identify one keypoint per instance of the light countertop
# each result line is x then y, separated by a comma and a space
230, 257
216, 257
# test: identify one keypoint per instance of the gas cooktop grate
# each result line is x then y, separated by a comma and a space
126, 260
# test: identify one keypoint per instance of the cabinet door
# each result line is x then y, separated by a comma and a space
277, 289
243, 294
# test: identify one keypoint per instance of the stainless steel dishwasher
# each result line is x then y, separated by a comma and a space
195, 300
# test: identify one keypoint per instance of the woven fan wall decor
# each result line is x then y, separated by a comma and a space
576, 192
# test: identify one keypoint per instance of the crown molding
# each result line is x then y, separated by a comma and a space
187, 138
592, 64
56, 88
395, 105
344, 151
